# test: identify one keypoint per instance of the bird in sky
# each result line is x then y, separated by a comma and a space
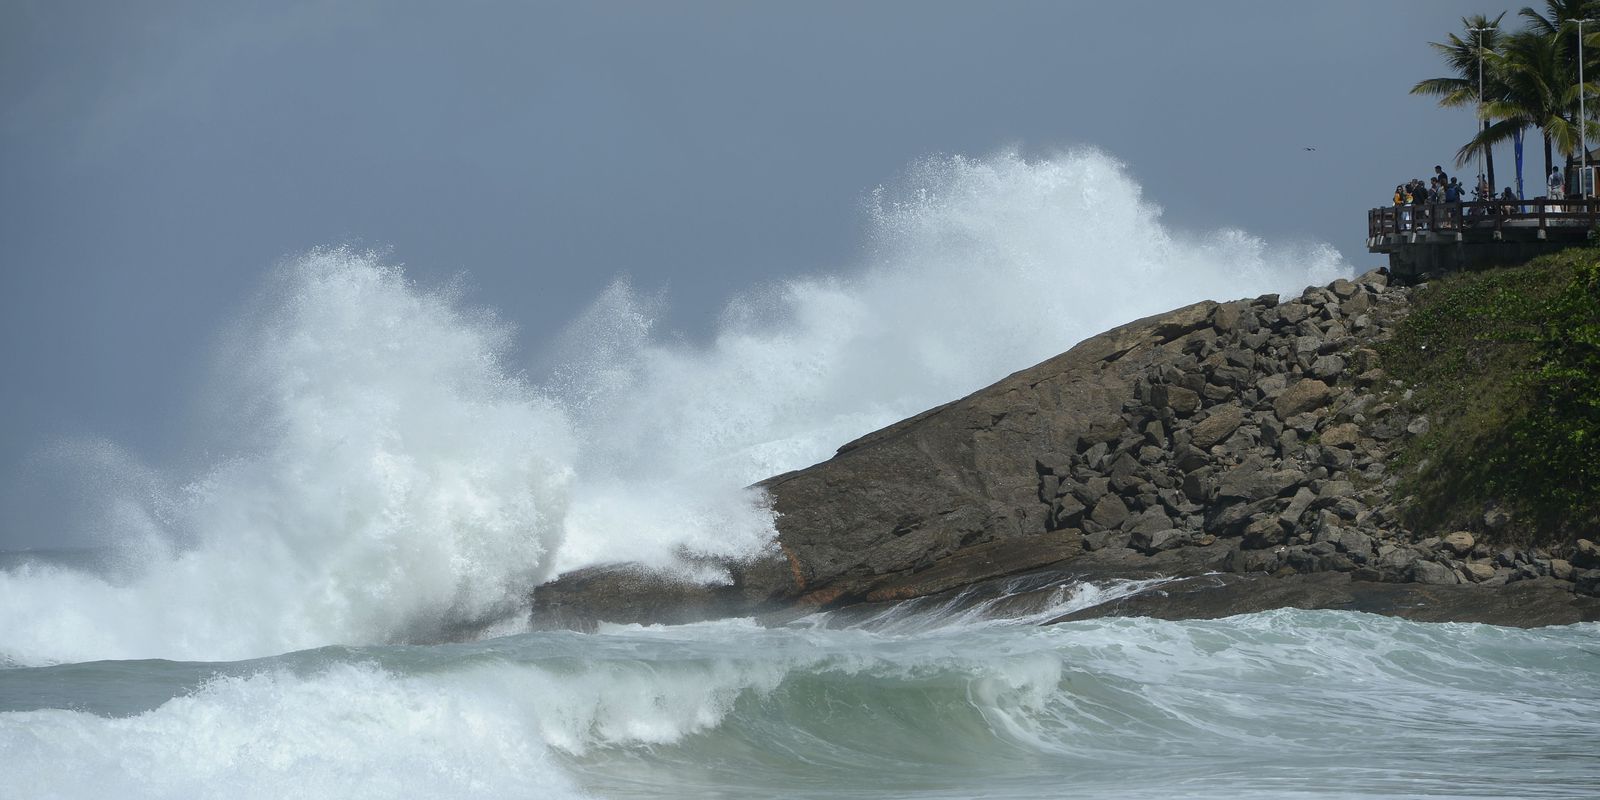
1309, 149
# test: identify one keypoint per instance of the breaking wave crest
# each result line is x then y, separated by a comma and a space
1281, 704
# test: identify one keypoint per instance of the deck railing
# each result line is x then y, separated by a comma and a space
1492, 214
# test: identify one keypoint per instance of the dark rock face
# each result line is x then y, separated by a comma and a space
1007, 464
1248, 437
1528, 604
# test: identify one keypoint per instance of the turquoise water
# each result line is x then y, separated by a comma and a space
1280, 704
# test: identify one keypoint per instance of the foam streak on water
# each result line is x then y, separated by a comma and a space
381, 471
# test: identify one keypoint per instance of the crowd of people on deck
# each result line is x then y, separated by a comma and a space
1444, 189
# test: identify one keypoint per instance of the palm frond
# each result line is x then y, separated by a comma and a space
1501, 131
1444, 86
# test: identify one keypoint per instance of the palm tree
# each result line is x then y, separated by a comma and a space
1536, 90
1561, 15
1464, 55
1557, 23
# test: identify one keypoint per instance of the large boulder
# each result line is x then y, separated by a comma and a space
1586, 554
1433, 573
1459, 542
1302, 397
1346, 435
1182, 401
1218, 425
1110, 512
1251, 484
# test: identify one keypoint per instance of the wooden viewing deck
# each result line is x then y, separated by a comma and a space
1429, 238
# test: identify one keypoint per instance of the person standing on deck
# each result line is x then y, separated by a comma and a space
1452, 196
1557, 185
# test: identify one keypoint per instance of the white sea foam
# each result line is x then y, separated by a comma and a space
383, 475
353, 731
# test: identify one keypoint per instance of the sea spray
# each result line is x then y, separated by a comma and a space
381, 477
977, 268
382, 473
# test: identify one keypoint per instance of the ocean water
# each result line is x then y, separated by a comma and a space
327, 597
1275, 705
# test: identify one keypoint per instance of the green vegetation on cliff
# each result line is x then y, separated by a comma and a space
1506, 363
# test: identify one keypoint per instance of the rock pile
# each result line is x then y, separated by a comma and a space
1254, 438
1269, 424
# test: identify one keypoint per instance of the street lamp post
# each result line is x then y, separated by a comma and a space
1583, 132
1481, 122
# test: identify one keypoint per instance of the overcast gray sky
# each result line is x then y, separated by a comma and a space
157, 158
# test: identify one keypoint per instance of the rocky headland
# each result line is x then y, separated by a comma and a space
1247, 450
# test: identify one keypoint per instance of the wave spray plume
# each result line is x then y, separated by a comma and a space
390, 478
